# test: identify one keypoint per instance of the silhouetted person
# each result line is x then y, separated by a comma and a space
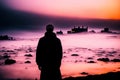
49, 55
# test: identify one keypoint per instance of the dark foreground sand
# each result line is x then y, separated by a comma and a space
107, 76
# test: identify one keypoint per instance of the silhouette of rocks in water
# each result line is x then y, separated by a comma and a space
115, 60
28, 55
5, 55
78, 30
59, 32
91, 62
9, 61
106, 30
92, 31
9, 51
103, 59
28, 62
6, 37
84, 73
90, 58
74, 55
64, 56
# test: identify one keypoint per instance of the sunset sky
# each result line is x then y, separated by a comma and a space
101, 9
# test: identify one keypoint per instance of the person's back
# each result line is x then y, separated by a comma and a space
49, 55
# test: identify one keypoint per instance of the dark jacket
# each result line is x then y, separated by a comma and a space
49, 51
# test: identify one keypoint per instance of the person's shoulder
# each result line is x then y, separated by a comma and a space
58, 39
42, 38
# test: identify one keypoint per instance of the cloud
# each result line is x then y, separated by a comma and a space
103, 9
19, 20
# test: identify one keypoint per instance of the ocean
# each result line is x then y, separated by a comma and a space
81, 54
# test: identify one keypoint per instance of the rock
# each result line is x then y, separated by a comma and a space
90, 58
74, 55
112, 52
106, 30
92, 31
64, 52
6, 37
27, 61
28, 55
115, 60
91, 62
10, 61
6, 55
10, 51
76, 61
59, 32
103, 59
84, 73
65, 56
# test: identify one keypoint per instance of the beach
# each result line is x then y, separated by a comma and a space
84, 55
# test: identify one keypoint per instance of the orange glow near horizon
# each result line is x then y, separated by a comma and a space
103, 9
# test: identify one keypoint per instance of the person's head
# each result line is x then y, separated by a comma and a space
49, 28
